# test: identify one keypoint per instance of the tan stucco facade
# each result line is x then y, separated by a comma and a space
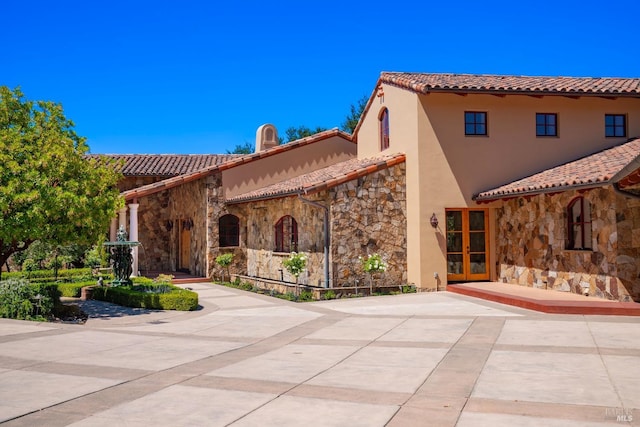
288, 164
445, 168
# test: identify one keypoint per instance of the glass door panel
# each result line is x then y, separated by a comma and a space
467, 244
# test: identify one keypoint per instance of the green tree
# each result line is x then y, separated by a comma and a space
295, 133
246, 148
351, 121
49, 190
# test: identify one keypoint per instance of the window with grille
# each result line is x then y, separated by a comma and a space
229, 230
579, 224
286, 231
384, 129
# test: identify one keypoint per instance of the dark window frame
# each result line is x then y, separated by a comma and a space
476, 123
544, 127
286, 234
577, 227
384, 128
612, 126
228, 231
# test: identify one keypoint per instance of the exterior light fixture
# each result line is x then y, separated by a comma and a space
169, 225
434, 220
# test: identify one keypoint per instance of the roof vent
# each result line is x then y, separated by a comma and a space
266, 137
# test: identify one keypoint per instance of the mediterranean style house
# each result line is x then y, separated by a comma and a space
525, 180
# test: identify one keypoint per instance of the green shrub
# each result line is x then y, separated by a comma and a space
295, 264
21, 300
330, 294
72, 274
177, 299
305, 296
225, 261
73, 290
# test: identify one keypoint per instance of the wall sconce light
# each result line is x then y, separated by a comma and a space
434, 220
187, 224
169, 225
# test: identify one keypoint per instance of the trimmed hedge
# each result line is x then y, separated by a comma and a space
73, 289
177, 299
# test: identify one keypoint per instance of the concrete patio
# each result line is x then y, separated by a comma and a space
428, 359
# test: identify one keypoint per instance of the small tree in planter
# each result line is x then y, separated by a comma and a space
295, 265
372, 264
225, 261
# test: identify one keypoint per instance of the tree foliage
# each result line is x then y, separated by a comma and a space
49, 191
246, 148
351, 121
295, 133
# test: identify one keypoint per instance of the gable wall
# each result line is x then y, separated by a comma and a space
270, 170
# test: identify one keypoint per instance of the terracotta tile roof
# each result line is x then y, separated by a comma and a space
231, 162
482, 83
595, 170
322, 179
166, 164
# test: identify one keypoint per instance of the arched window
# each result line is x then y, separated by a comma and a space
286, 234
579, 224
229, 230
384, 129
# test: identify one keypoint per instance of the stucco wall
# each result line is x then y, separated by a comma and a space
445, 168
532, 236
272, 169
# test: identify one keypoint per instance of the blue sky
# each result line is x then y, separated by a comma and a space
201, 76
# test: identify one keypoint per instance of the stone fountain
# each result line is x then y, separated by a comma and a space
121, 257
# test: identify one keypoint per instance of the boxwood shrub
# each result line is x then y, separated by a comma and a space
176, 299
73, 289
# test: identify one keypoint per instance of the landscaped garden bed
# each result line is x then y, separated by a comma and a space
35, 295
148, 295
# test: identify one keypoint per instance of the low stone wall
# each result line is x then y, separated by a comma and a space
531, 240
317, 293
268, 264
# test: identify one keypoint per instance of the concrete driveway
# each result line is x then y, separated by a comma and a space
429, 359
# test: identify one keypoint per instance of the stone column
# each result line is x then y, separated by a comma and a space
122, 217
113, 229
133, 234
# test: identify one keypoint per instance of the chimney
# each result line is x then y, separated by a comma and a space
266, 137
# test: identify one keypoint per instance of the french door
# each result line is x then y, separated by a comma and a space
467, 244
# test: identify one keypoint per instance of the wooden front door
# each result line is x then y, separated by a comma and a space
467, 244
185, 250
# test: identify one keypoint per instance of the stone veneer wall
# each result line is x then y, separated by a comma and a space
154, 252
369, 215
189, 201
531, 238
257, 235
159, 244
215, 209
